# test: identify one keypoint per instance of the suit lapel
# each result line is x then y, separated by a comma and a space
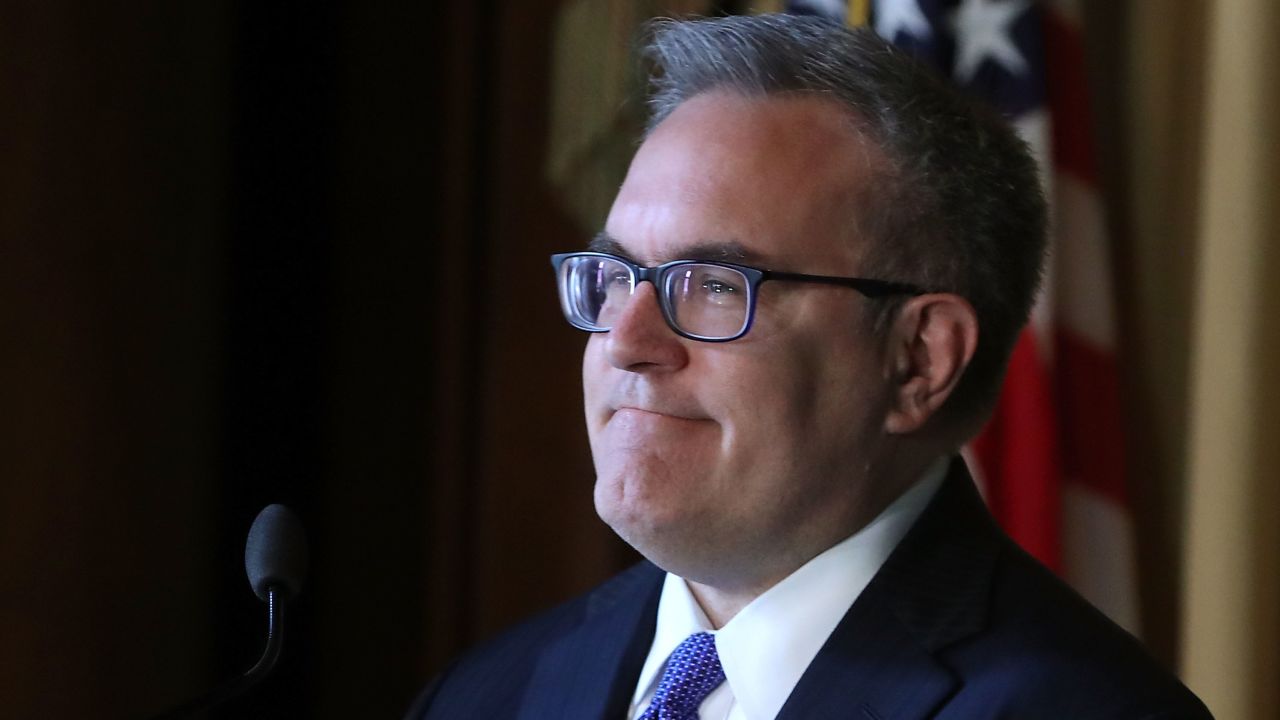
880, 663
591, 671
872, 668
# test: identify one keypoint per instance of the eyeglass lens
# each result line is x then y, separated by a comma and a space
707, 301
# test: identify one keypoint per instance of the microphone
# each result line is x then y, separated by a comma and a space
275, 561
275, 555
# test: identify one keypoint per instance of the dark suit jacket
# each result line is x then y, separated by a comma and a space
958, 623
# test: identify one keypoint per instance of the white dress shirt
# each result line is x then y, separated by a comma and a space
767, 646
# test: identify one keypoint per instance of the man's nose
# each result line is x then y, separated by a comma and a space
641, 340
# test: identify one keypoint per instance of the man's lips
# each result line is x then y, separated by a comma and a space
665, 413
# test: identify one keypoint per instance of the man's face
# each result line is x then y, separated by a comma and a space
730, 463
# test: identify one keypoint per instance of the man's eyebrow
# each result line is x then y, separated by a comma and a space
724, 251
603, 242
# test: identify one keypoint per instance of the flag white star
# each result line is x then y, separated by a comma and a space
982, 29
894, 16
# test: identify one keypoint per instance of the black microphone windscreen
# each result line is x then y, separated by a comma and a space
276, 553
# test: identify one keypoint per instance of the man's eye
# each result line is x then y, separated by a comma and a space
719, 292
718, 287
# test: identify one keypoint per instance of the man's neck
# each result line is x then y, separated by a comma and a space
721, 603
721, 606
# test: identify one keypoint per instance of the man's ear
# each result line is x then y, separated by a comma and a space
931, 342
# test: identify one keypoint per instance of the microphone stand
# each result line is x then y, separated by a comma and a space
237, 687
275, 562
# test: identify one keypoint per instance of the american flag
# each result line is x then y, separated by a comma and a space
1051, 461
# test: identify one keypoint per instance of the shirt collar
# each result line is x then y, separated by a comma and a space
768, 645
679, 616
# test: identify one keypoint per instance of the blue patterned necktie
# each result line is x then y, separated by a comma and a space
693, 671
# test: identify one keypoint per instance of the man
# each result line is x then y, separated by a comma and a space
801, 305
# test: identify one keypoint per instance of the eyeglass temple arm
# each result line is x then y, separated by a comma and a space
866, 286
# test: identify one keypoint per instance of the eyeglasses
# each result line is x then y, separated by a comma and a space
700, 300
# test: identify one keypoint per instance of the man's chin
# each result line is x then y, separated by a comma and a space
665, 534
626, 508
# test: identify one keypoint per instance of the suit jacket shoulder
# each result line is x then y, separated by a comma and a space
961, 623
1045, 652
571, 661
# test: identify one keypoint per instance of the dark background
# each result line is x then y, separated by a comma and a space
278, 252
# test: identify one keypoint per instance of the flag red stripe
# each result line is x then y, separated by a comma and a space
1091, 419
1068, 93
1018, 451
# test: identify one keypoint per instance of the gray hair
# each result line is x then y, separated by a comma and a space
959, 208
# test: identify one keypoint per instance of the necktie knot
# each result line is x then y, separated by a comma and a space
692, 672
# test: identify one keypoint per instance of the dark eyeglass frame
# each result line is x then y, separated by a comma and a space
868, 287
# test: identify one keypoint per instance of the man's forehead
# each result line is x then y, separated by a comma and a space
727, 250
775, 182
